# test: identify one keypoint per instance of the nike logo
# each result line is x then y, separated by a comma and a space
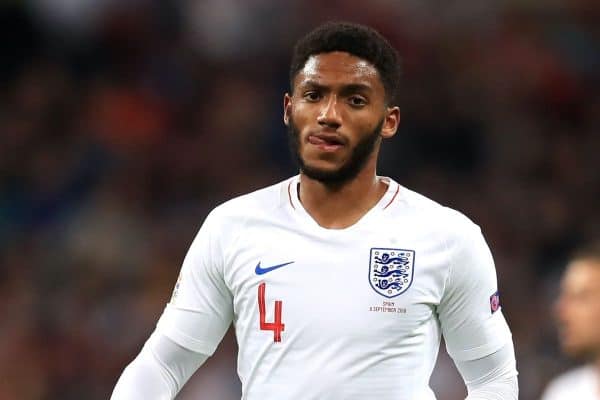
260, 271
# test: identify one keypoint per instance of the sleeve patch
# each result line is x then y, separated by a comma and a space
495, 302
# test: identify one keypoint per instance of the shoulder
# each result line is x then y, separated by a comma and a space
259, 203
563, 385
450, 223
466, 252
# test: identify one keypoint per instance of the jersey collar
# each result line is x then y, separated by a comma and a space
386, 201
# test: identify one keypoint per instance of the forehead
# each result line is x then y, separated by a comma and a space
583, 275
339, 68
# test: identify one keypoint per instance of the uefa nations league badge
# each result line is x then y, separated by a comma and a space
391, 271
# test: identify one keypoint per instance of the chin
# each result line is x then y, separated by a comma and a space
325, 175
578, 350
325, 171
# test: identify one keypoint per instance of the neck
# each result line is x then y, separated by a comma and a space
342, 205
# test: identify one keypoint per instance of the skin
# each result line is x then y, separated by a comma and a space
337, 101
578, 310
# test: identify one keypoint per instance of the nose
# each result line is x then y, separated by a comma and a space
329, 115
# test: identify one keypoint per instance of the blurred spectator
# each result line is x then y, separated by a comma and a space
578, 309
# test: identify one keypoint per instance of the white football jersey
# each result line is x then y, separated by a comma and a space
352, 313
580, 383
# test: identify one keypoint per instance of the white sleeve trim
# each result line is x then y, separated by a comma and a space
158, 372
493, 377
175, 322
501, 389
500, 338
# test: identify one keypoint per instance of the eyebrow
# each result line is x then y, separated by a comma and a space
349, 88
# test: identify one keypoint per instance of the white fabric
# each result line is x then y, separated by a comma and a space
163, 367
499, 389
342, 338
493, 377
158, 372
582, 383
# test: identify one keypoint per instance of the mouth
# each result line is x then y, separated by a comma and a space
326, 142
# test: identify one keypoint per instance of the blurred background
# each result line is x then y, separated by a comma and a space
123, 123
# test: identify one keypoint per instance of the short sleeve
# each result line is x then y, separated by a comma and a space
471, 319
200, 310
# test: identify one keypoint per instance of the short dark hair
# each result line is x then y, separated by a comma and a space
588, 251
360, 41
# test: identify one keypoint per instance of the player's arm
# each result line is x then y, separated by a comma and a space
477, 336
190, 328
492, 377
158, 372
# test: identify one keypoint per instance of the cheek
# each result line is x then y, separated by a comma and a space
584, 318
573, 314
302, 119
594, 317
304, 110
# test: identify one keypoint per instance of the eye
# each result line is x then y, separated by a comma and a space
312, 96
357, 101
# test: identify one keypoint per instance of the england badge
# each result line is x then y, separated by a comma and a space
391, 271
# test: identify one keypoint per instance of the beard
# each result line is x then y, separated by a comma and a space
584, 350
349, 170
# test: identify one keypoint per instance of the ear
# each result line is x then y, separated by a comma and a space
287, 108
391, 122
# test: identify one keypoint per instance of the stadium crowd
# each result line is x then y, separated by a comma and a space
123, 123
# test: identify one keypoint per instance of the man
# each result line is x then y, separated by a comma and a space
339, 282
578, 311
